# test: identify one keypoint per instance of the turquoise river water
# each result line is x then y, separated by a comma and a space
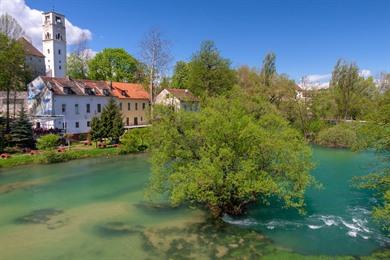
95, 209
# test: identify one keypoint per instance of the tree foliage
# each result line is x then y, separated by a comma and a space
10, 27
12, 70
109, 124
21, 131
48, 142
180, 75
233, 153
209, 73
114, 64
268, 70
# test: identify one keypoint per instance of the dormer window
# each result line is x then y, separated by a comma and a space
123, 92
89, 91
106, 92
68, 91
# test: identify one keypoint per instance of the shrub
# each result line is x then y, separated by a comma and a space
56, 157
135, 140
339, 136
48, 142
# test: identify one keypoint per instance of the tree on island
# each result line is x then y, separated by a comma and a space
109, 124
235, 152
21, 131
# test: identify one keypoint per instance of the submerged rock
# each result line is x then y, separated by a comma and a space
119, 228
39, 216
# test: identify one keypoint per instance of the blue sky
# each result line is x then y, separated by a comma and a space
307, 36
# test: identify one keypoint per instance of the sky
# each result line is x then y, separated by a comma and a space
307, 36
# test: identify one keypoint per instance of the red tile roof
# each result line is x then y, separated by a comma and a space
129, 90
183, 94
69, 86
29, 49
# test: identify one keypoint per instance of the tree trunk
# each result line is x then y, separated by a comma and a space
7, 112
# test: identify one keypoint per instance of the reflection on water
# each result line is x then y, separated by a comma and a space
95, 209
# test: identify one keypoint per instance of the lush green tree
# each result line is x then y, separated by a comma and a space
248, 79
21, 131
268, 70
376, 134
48, 142
12, 70
135, 140
233, 153
76, 67
180, 75
339, 136
114, 64
345, 78
209, 73
109, 124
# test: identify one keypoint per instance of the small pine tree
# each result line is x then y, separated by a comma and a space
109, 124
21, 132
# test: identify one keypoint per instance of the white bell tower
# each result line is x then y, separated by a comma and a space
54, 44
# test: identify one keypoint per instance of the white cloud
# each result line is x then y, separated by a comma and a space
316, 81
318, 77
31, 21
365, 73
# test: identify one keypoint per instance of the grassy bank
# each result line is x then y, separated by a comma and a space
45, 157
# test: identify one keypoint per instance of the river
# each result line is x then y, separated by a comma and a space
95, 209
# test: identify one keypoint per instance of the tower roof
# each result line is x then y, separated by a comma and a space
29, 49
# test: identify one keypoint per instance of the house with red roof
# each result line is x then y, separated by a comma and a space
133, 102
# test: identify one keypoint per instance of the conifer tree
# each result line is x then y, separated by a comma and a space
21, 132
109, 124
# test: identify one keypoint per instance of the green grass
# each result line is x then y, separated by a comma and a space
44, 157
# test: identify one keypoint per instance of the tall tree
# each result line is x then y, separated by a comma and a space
210, 74
77, 61
155, 54
180, 75
114, 64
344, 81
21, 132
10, 27
12, 70
109, 124
268, 70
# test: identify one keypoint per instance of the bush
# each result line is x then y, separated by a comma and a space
56, 157
339, 136
135, 140
48, 142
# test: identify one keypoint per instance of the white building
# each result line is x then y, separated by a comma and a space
54, 44
34, 59
66, 104
178, 99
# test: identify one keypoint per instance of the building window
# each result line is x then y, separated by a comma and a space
77, 125
128, 106
142, 119
59, 67
58, 19
48, 51
63, 108
127, 121
88, 123
59, 52
76, 108
120, 105
88, 108
136, 106
143, 106
99, 108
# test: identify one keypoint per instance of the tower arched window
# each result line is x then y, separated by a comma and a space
47, 37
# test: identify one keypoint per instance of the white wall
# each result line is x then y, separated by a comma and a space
167, 99
70, 115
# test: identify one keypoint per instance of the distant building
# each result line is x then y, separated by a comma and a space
133, 102
178, 99
54, 44
35, 60
66, 104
